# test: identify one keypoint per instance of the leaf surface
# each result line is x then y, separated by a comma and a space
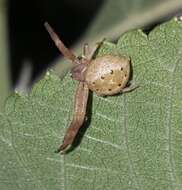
133, 140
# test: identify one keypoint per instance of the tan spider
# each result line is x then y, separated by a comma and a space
105, 75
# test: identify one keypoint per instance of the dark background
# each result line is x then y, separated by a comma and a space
28, 38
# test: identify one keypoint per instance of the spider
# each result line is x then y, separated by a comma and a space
105, 75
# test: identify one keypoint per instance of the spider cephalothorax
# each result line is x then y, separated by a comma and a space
105, 75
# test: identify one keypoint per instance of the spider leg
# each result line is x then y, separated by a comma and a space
60, 45
94, 51
86, 51
80, 106
130, 88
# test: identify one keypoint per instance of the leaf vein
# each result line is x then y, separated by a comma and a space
132, 172
169, 129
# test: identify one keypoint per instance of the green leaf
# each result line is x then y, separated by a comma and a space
133, 140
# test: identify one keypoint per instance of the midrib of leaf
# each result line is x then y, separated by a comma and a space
169, 108
132, 172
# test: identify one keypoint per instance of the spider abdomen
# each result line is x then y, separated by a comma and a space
108, 75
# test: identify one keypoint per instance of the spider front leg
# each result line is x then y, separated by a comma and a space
92, 53
87, 54
79, 112
86, 51
60, 45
